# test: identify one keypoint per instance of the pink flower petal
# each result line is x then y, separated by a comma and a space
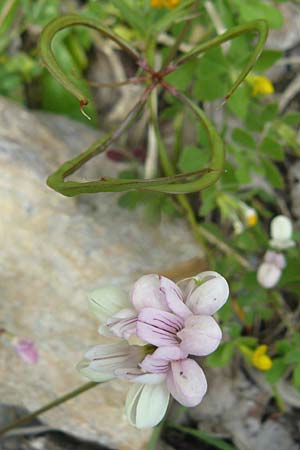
154, 365
174, 298
158, 327
200, 336
159, 361
268, 275
186, 382
169, 353
146, 293
210, 296
27, 350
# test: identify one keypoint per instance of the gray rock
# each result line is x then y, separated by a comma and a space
234, 408
288, 36
53, 251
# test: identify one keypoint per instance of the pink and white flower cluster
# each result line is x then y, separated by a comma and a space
158, 328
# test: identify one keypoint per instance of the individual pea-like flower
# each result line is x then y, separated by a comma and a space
269, 272
164, 3
260, 359
157, 329
281, 230
261, 85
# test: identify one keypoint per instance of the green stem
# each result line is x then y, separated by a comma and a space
58, 401
155, 435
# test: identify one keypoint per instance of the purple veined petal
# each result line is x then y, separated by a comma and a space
139, 376
146, 404
154, 365
123, 323
107, 301
186, 382
210, 296
200, 336
174, 298
268, 275
158, 327
146, 293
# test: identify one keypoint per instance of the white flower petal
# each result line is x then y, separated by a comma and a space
210, 296
146, 404
107, 301
106, 350
146, 293
281, 228
84, 368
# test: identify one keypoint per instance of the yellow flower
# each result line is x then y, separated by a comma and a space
250, 217
259, 358
164, 3
260, 85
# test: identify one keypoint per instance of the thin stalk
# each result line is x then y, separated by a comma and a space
178, 42
48, 406
155, 435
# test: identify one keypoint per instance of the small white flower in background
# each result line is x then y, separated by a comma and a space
168, 323
269, 272
250, 215
281, 230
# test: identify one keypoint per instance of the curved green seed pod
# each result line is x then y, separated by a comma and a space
48, 57
260, 26
172, 184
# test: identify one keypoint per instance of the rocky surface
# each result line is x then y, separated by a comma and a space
53, 251
236, 407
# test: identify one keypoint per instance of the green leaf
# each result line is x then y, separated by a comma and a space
267, 59
239, 101
292, 356
243, 138
222, 356
212, 76
273, 174
183, 76
132, 16
130, 200
272, 148
277, 371
257, 9
205, 437
193, 158
296, 376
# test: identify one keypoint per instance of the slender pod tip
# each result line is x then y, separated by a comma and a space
83, 103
